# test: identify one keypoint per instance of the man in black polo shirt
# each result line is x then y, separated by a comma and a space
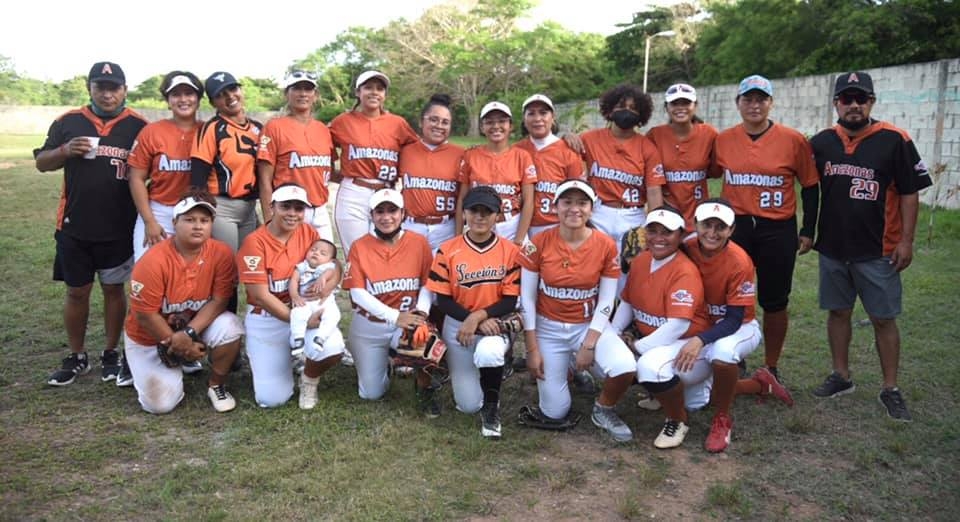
870, 175
96, 214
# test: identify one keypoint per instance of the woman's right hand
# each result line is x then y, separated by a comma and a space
409, 320
154, 234
534, 359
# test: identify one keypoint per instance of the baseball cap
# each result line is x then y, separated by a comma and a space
483, 196
296, 77
107, 72
755, 83
181, 79
680, 91
290, 193
495, 106
366, 76
667, 217
574, 184
189, 203
714, 209
386, 195
858, 80
217, 82
537, 98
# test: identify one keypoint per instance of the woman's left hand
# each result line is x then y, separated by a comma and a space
688, 355
489, 327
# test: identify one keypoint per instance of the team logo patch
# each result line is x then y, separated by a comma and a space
264, 140
106, 69
682, 296
746, 288
853, 78
135, 287
531, 171
252, 262
219, 77
529, 249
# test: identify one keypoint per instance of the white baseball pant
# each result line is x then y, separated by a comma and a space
534, 231
508, 227
487, 351
615, 222
370, 343
319, 218
164, 216
352, 213
435, 234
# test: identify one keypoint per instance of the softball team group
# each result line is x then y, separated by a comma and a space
607, 243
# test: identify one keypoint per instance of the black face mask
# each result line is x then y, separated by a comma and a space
854, 125
385, 236
625, 119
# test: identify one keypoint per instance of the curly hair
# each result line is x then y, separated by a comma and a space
168, 79
625, 91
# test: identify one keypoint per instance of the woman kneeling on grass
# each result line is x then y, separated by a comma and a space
178, 297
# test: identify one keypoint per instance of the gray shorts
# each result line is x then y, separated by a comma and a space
875, 281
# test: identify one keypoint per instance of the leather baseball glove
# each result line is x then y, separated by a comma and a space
172, 358
420, 347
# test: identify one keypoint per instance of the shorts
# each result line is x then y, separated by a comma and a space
77, 261
876, 281
772, 245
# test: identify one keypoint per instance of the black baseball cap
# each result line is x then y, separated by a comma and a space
857, 80
107, 72
483, 196
217, 82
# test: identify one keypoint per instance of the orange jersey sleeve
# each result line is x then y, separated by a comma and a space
570, 279
370, 147
620, 171
675, 290
685, 166
300, 153
759, 175
555, 164
163, 150
263, 259
506, 172
393, 274
430, 179
475, 278
728, 279
162, 282
231, 150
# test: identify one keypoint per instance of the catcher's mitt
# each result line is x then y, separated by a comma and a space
634, 242
169, 357
420, 347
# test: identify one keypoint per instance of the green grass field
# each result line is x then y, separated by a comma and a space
87, 452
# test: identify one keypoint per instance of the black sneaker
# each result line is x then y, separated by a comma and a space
109, 365
490, 421
73, 365
896, 407
834, 386
429, 402
125, 377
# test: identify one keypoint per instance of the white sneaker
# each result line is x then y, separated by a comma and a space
220, 398
347, 359
308, 392
671, 435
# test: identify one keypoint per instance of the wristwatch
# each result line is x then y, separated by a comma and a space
192, 333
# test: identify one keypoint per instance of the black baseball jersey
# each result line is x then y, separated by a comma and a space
95, 201
861, 180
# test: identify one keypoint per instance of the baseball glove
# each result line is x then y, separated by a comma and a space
420, 347
634, 242
510, 324
173, 359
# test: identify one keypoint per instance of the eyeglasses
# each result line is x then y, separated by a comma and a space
498, 122
680, 87
860, 97
439, 122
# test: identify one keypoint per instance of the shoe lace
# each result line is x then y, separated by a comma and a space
220, 391
671, 427
895, 399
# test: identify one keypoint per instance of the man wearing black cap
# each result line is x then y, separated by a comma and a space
95, 221
870, 175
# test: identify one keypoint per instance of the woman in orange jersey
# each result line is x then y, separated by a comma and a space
161, 155
623, 166
761, 162
387, 279
476, 278
509, 170
296, 148
266, 261
428, 169
663, 298
568, 286
556, 162
369, 139
685, 145
178, 297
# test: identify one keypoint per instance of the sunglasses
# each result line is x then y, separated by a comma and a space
303, 75
680, 87
860, 97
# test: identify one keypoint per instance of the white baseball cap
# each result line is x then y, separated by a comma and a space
189, 203
181, 79
538, 98
680, 91
495, 106
666, 217
714, 209
290, 193
574, 184
296, 77
386, 195
366, 76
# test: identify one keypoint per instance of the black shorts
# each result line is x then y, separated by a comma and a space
77, 261
772, 245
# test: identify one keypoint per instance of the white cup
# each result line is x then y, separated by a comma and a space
94, 143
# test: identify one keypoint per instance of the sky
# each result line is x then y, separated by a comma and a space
58, 39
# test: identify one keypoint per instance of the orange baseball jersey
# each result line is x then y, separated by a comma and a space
685, 166
555, 164
163, 150
570, 279
759, 176
475, 278
264, 259
728, 279
430, 179
674, 290
231, 150
164, 283
370, 147
505, 172
392, 273
621, 170
300, 153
